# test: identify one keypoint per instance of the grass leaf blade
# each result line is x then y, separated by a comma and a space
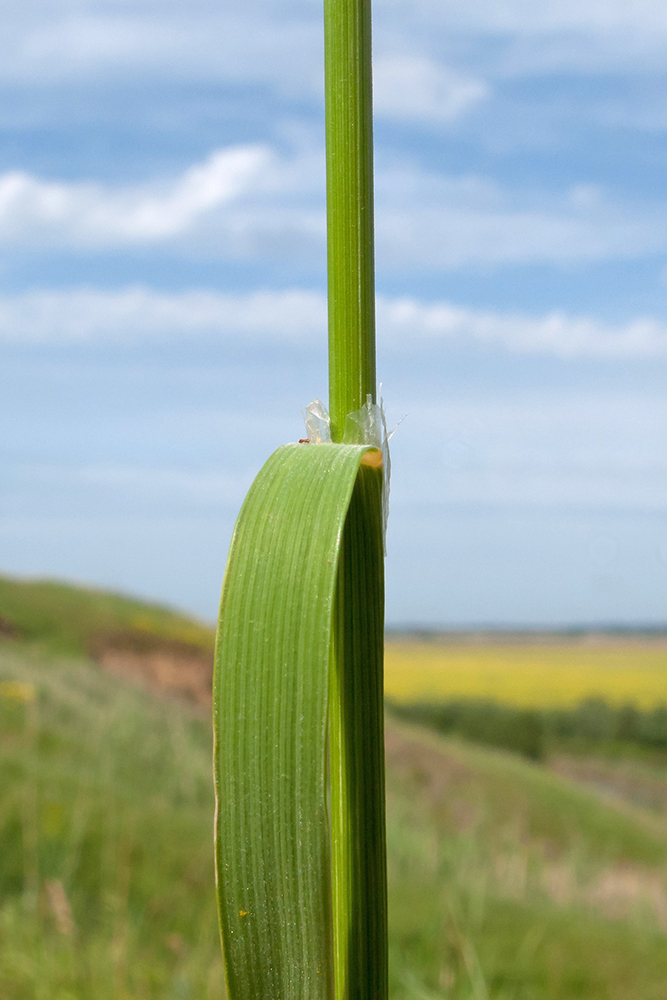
270, 716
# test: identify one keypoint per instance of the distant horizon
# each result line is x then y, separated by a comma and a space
416, 631
581, 630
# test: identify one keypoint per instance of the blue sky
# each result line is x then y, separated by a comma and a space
162, 283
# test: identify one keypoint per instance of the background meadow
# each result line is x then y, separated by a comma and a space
519, 869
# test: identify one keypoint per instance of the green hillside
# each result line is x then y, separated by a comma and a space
106, 872
79, 621
507, 882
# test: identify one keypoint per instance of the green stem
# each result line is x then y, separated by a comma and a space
356, 738
349, 130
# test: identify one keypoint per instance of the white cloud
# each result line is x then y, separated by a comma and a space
415, 88
533, 37
279, 41
53, 42
296, 317
241, 201
446, 235
140, 314
435, 221
34, 210
528, 17
252, 202
408, 320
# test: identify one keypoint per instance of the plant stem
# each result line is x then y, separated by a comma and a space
356, 731
350, 245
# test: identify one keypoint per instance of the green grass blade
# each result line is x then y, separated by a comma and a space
270, 713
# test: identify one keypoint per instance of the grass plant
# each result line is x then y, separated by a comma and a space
298, 682
506, 882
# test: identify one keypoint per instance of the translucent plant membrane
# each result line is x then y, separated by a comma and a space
368, 426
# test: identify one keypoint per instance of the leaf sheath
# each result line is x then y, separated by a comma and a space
356, 713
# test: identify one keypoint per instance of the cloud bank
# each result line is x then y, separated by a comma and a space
137, 315
55, 40
251, 201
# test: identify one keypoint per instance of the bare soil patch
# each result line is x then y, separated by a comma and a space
162, 666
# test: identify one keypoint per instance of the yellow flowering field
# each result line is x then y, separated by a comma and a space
538, 675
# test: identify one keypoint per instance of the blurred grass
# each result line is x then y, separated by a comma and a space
106, 867
528, 675
507, 881
591, 728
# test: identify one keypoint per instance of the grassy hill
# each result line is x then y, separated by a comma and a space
81, 621
106, 872
507, 881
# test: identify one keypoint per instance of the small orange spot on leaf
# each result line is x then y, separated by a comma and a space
373, 458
